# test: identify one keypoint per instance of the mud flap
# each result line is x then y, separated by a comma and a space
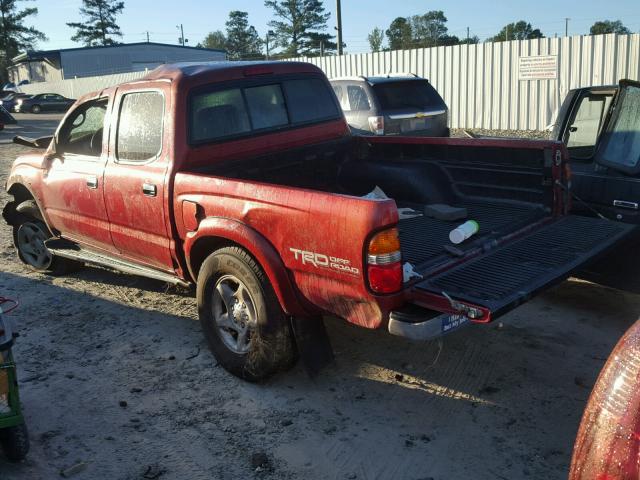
313, 343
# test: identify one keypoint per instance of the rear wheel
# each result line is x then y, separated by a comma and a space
243, 323
15, 442
29, 236
36, 109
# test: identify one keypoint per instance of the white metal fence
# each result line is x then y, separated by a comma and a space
481, 85
76, 87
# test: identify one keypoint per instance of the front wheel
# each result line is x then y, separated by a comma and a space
36, 109
243, 323
15, 442
28, 237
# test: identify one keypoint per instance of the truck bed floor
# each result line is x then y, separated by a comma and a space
423, 239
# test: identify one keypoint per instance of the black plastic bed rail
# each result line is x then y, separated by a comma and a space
507, 276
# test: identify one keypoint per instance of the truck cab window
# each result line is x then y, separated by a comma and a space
584, 127
82, 132
140, 126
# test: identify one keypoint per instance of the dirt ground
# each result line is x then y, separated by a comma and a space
117, 383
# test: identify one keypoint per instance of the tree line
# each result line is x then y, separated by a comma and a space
298, 28
430, 30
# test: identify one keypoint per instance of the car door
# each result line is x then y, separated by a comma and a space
73, 188
135, 195
618, 155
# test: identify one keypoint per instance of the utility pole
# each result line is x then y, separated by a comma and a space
566, 27
506, 35
181, 39
147, 36
339, 27
269, 33
322, 48
467, 34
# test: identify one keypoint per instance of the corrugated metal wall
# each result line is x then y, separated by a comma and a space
79, 86
480, 82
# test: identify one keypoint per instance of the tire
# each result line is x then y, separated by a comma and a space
15, 442
29, 235
36, 109
245, 327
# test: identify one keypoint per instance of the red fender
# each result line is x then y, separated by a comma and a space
260, 248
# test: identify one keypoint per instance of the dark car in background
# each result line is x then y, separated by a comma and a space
395, 104
43, 102
8, 102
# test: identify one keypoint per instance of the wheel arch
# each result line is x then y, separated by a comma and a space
217, 232
21, 193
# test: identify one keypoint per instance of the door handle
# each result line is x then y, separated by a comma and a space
92, 182
149, 189
625, 204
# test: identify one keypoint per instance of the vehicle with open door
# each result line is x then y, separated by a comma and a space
601, 128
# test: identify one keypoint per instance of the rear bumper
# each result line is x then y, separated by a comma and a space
420, 324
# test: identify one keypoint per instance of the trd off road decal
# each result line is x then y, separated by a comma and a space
320, 260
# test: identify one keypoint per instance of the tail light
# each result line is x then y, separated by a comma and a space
384, 267
608, 443
376, 125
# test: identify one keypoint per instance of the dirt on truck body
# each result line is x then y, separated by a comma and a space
243, 179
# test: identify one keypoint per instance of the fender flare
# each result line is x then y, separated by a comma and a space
230, 230
19, 180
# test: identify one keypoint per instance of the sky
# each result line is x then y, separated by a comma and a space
161, 18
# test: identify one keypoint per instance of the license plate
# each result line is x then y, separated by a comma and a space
452, 322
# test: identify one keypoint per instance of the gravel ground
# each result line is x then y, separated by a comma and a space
117, 383
530, 134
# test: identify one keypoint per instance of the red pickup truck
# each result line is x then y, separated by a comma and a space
243, 179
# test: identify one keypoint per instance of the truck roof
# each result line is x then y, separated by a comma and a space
227, 69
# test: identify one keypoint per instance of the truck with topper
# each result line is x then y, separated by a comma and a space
243, 179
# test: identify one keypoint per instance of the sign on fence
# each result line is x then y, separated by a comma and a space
540, 67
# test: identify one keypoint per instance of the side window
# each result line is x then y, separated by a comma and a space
82, 132
584, 127
358, 100
139, 135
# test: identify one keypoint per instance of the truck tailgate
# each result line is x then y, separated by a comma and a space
506, 276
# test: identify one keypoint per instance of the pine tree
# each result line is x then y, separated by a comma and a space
298, 24
14, 35
243, 40
99, 24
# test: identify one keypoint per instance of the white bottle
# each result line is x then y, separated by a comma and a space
464, 231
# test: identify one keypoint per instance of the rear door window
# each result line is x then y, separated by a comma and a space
358, 100
140, 126
234, 112
412, 94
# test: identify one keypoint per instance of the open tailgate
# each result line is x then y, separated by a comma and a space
506, 276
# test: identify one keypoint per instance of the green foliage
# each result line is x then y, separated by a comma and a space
421, 31
215, 40
14, 34
243, 41
399, 34
516, 31
298, 25
375, 38
99, 23
608, 26
470, 41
